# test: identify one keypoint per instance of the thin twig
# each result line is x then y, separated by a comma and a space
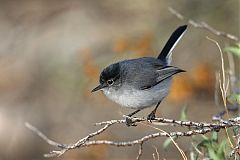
196, 149
203, 128
179, 149
43, 136
157, 153
232, 74
204, 25
223, 86
222, 81
64, 147
140, 151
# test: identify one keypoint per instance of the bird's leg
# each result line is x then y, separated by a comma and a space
129, 120
152, 116
131, 114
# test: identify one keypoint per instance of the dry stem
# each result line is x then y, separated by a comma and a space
204, 25
197, 128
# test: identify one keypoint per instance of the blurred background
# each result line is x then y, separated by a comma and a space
52, 52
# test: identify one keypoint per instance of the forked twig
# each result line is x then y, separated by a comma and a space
197, 128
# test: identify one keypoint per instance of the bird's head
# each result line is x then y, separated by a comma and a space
109, 78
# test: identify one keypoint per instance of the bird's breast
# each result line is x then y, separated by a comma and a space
130, 97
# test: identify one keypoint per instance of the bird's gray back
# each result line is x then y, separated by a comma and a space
140, 72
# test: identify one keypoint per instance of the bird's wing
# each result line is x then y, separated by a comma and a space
161, 73
167, 71
144, 73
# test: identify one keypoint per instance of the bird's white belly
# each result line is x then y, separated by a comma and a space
138, 99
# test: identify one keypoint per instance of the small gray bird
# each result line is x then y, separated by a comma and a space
142, 82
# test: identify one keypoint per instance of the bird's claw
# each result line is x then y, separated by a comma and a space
151, 116
129, 122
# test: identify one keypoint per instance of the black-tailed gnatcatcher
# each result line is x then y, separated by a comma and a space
142, 82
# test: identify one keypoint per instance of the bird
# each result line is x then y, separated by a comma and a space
142, 82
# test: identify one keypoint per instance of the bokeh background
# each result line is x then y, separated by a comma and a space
52, 52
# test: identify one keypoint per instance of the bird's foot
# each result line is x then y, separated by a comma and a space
129, 122
151, 116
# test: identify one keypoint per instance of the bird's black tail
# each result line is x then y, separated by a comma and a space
166, 52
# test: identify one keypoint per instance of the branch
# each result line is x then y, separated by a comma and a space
159, 121
204, 25
140, 151
197, 128
65, 147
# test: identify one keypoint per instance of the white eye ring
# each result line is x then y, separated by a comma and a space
110, 82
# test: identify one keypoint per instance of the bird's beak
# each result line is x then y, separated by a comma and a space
100, 86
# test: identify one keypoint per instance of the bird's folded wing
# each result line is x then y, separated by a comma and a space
167, 72
162, 74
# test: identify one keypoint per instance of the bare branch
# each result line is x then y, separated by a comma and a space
140, 151
156, 153
65, 147
44, 137
204, 25
202, 128
159, 121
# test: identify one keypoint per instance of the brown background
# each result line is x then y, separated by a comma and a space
51, 53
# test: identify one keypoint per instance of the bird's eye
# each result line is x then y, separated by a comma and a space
110, 82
